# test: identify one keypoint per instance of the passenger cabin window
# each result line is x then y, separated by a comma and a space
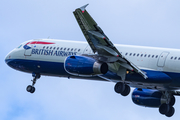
61, 48
171, 57
75, 49
175, 58
126, 54
64, 48
141, 55
43, 47
137, 54
130, 54
54, 47
149, 55
179, 58
47, 47
58, 48
78, 50
50, 47
134, 54
72, 49
156, 56
152, 56
145, 55
68, 49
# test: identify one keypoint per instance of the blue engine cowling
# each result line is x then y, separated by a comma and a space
85, 66
147, 98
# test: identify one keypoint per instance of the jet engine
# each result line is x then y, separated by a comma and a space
84, 66
147, 98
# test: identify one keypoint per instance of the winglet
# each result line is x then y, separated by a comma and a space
83, 8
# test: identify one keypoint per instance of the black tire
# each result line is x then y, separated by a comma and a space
171, 111
119, 87
164, 108
33, 90
126, 91
173, 100
29, 88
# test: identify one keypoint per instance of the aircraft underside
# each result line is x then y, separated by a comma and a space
132, 79
38, 68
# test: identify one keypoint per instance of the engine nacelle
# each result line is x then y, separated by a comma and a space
147, 98
84, 66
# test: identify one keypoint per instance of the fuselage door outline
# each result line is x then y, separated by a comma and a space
28, 50
162, 59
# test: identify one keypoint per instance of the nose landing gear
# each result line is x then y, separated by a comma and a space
31, 88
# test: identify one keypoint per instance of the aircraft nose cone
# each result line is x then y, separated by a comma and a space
12, 61
7, 58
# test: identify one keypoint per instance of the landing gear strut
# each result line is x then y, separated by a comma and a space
167, 108
122, 89
31, 88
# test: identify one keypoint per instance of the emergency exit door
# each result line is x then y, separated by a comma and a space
162, 59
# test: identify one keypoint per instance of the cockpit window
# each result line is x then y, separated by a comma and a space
19, 46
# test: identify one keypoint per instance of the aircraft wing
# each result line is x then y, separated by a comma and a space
100, 43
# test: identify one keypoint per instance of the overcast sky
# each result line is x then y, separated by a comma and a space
135, 22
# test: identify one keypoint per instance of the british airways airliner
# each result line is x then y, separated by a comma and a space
153, 72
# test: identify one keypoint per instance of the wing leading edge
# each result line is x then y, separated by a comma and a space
101, 44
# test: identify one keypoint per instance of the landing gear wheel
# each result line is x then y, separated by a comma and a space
171, 111
119, 87
164, 108
126, 91
173, 100
30, 89
33, 90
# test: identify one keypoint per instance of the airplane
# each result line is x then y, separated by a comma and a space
153, 72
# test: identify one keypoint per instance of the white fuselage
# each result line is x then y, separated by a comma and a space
146, 58
150, 58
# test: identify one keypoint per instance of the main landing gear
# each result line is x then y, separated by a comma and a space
122, 89
31, 88
167, 108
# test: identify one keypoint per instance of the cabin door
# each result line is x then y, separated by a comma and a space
28, 48
162, 59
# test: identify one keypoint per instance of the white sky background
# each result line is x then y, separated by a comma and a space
136, 22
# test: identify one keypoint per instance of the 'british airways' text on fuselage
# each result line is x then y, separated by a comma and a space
52, 52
